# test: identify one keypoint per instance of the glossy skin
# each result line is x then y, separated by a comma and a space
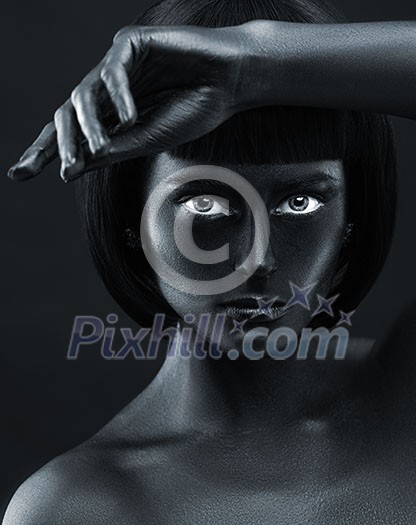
243, 442
168, 91
259, 63
303, 247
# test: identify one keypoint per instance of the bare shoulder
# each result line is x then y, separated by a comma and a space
57, 493
81, 486
103, 480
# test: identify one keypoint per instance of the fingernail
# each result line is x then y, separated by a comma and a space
69, 178
70, 172
66, 171
99, 146
70, 160
127, 119
19, 173
124, 117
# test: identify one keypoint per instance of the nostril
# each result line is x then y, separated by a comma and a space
260, 263
263, 270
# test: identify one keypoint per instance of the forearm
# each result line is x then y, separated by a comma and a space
361, 66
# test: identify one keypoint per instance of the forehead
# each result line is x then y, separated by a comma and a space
260, 175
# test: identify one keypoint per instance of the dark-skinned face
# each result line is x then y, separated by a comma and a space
306, 206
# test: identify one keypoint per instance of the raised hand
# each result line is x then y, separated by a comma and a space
157, 87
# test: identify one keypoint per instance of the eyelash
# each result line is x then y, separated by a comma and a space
319, 205
216, 198
183, 202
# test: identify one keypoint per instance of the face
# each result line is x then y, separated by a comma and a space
306, 208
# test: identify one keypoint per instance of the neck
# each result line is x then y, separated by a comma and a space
206, 394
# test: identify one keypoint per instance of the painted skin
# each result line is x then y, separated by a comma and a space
242, 442
303, 246
268, 442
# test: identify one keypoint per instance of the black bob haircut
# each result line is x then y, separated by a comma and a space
108, 199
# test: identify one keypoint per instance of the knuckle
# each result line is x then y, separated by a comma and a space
57, 116
75, 96
122, 33
106, 74
49, 127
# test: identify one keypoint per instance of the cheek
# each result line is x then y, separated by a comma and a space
297, 243
307, 250
208, 236
201, 248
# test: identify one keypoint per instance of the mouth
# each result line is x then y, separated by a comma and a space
255, 310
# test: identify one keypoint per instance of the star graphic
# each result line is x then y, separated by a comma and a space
325, 305
264, 308
299, 295
345, 317
238, 326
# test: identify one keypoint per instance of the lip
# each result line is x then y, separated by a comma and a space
247, 309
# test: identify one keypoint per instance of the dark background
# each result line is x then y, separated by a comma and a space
49, 404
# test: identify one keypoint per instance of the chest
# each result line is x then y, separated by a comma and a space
234, 487
366, 500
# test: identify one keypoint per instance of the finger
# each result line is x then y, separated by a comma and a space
84, 101
115, 75
67, 135
167, 124
41, 153
117, 84
135, 142
172, 118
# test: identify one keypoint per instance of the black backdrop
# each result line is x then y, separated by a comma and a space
49, 404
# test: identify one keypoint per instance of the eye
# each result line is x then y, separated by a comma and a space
209, 205
299, 204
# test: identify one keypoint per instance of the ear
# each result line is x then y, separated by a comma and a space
132, 238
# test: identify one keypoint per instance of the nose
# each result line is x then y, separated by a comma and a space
258, 266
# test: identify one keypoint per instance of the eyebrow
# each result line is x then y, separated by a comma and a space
291, 183
305, 181
204, 183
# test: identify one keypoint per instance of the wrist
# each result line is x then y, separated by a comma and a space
266, 58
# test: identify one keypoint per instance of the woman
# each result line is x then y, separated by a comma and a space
282, 96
